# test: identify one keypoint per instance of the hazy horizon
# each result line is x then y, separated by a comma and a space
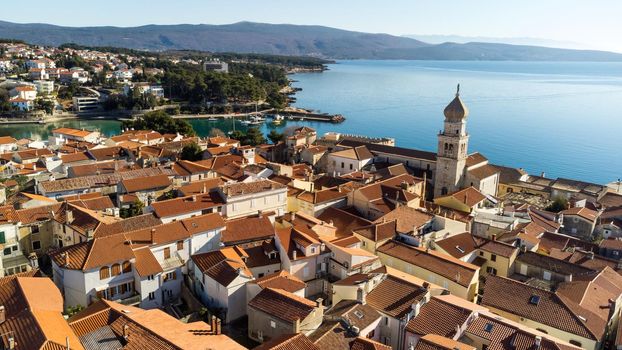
593, 24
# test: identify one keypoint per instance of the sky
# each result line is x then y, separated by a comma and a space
593, 24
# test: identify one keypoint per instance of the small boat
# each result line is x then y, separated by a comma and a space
277, 119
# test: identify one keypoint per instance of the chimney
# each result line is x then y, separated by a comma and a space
67, 347
2, 314
494, 237
66, 258
294, 254
218, 327
204, 188
426, 285
126, 331
538, 341
69, 214
152, 234
11, 341
194, 197
542, 174
590, 255
318, 302
415, 307
213, 324
360, 296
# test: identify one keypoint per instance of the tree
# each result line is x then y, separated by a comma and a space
46, 105
191, 152
559, 203
215, 132
135, 209
161, 122
254, 137
275, 136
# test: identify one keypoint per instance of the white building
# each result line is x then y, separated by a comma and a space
44, 87
349, 160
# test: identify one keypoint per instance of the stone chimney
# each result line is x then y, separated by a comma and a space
361, 297
2, 314
318, 302
66, 258
294, 254
126, 331
69, 214
152, 234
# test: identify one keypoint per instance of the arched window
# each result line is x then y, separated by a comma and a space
446, 146
116, 270
444, 191
104, 273
127, 267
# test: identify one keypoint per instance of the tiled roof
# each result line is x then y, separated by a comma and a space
96, 204
244, 188
146, 183
288, 342
283, 305
361, 343
281, 280
392, 150
552, 264
199, 187
395, 297
585, 213
437, 342
475, 158
439, 263
223, 265
468, 196
356, 153
379, 231
458, 245
440, 316
247, 229
550, 308
484, 171
407, 218
127, 225
181, 205
344, 221
146, 264
33, 314
148, 329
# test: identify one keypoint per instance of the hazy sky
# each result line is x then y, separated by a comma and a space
596, 23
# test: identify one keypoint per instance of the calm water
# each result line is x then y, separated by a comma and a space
560, 118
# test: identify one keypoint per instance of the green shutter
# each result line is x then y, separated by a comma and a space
2, 239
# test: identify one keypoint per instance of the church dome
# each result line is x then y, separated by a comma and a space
456, 111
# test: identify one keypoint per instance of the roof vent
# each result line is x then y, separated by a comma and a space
534, 300
488, 327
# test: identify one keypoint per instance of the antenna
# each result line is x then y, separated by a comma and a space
458, 90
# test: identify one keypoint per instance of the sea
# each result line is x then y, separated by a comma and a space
563, 119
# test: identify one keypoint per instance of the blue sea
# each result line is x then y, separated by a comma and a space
561, 118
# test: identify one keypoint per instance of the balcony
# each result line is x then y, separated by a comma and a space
172, 263
130, 301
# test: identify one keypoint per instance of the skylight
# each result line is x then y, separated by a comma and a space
488, 327
534, 300
358, 314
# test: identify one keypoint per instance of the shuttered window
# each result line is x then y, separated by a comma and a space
116, 269
104, 273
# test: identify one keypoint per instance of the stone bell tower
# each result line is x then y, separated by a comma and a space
453, 142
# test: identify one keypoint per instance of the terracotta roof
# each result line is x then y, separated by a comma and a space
379, 231
247, 229
585, 213
437, 342
37, 214
107, 153
392, 150
202, 186
395, 296
244, 188
499, 248
475, 158
361, 343
344, 221
442, 264
440, 316
458, 245
181, 205
96, 204
541, 306
322, 196
297, 341
148, 329
484, 171
280, 280
407, 218
75, 157
146, 183
33, 314
186, 167
356, 153
6, 140
127, 225
469, 196
283, 305
146, 264
552, 264
223, 265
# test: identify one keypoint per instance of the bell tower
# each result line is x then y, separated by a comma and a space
453, 142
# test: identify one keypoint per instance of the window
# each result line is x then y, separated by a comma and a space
386, 321
272, 324
493, 257
180, 245
104, 273
343, 166
116, 270
2, 238
14, 248
167, 253
312, 250
170, 276
150, 278
34, 229
481, 253
444, 191
351, 166
7, 251
127, 267
151, 295
36, 245
260, 275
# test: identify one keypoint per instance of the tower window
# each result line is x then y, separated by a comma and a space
444, 191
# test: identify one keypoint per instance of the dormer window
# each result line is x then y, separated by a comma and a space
312, 250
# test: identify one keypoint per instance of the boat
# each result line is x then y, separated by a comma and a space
277, 119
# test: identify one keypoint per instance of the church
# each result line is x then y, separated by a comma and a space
455, 167
449, 169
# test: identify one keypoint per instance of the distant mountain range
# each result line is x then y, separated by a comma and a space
460, 39
287, 39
